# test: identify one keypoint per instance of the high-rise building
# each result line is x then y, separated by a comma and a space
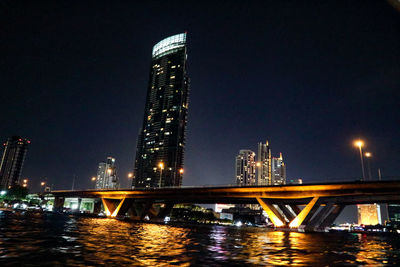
246, 168
161, 142
12, 161
278, 171
107, 175
264, 172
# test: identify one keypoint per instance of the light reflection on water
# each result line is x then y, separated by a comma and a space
60, 240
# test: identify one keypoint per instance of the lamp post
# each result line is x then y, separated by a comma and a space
360, 144
161, 166
368, 155
130, 176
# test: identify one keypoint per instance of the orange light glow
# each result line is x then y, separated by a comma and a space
42, 183
130, 175
303, 214
258, 164
161, 165
94, 178
359, 143
368, 154
181, 171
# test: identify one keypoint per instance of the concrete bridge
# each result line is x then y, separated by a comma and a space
311, 207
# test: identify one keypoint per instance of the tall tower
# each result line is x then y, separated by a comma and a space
246, 168
12, 161
264, 164
161, 142
107, 175
278, 171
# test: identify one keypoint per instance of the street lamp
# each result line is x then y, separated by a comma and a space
130, 175
161, 166
94, 178
181, 171
42, 183
368, 155
360, 144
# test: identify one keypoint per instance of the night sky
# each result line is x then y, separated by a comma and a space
309, 76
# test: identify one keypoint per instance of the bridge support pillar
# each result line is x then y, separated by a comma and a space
306, 214
319, 218
331, 217
96, 206
288, 214
112, 206
273, 214
58, 204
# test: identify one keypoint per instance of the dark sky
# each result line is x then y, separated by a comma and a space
310, 76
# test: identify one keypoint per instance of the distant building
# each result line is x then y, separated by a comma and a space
369, 214
394, 213
246, 168
15, 149
107, 175
264, 164
161, 142
278, 171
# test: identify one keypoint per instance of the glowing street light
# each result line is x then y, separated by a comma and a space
360, 144
25, 181
130, 175
258, 164
181, 171
109, 170
161, 166
42, 183
94, 178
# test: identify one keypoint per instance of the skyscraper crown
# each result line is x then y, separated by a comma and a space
169, 45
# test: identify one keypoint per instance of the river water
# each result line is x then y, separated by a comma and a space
59, 240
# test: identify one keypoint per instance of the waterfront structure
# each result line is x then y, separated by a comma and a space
264, 164
107, 175
369, 214
278, 171
161, 142
15, 149
246, 168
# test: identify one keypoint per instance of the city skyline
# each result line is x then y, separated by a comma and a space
316, 108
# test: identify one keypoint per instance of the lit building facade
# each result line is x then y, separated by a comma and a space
107, 175
161, 142
264, 164
369, 214
246, 168
278, 171
15, 149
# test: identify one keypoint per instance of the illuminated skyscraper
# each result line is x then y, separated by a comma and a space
246, 168
264, 164
278, 171
161, 142
107, 175
12, 161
